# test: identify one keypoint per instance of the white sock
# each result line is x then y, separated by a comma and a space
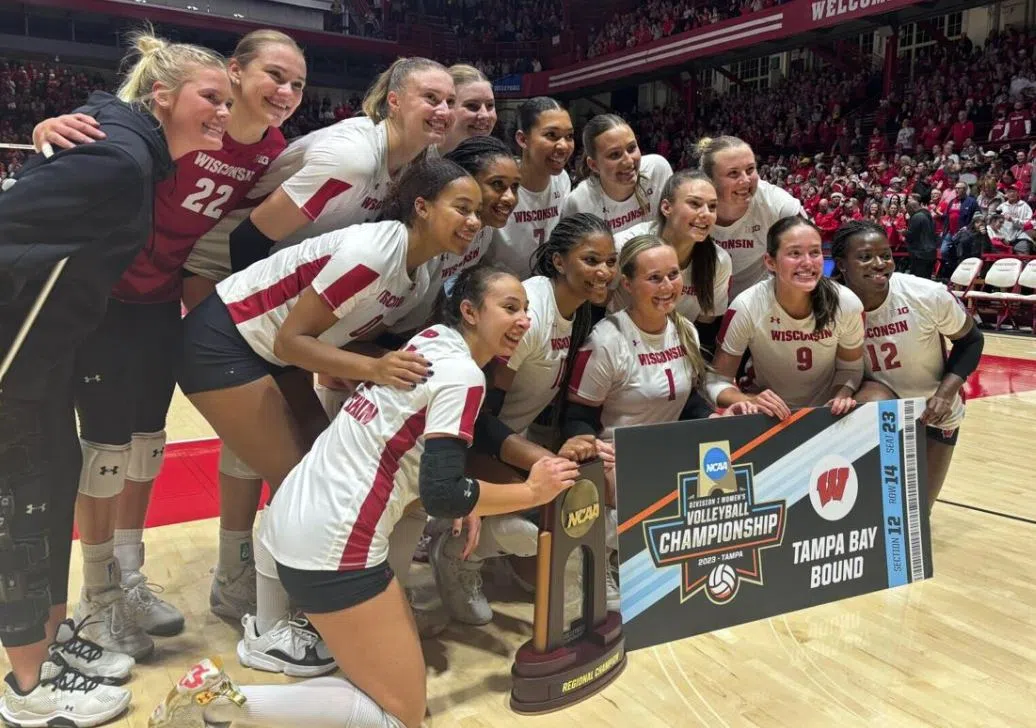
235, 550
272, 602
323, 702
100, 569
129, 548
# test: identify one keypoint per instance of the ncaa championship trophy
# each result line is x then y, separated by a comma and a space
554, 670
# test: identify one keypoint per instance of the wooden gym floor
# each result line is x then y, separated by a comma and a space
958, 650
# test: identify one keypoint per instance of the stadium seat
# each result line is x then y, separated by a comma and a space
1003, 277
964, 275
1016, 301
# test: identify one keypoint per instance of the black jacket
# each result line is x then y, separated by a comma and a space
921, 240
93, 204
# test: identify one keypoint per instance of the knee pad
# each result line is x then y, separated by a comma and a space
508, 534
147, 450
104, 470
230, 464
332, 400
24, 591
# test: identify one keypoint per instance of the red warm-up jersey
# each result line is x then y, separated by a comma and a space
206, 186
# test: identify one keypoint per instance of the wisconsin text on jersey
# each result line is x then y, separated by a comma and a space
618, 222
548, 213
801, 335
214, 166
736, 244
661, 357
561, 343
896, 327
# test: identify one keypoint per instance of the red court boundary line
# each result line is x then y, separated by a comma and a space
736, 455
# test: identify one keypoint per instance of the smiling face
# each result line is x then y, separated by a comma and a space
799, 260
424, 107
736, 179
195, 117
691, 212
616, 159
270, 86
656, 284
867, 265
588, 267
499, 183
549, 144
474, 113
500, 321
453, 216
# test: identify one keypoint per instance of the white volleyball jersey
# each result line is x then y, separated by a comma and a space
637, 377
590, 197
745, 240
903, 339
788, 356
688, 305
336, 508
440, 270
360, 272
338, 176
530, 224
539, 359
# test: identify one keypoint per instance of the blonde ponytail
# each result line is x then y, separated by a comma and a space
695, 361
393, 78
159, 61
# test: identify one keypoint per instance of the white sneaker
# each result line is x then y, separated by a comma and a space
203, 698
431, 621
291, 647
63, 697
459, 581
155, 616
611, 586
89, 657
233, 595
110, 624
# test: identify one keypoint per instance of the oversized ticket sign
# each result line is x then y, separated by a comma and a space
730, 520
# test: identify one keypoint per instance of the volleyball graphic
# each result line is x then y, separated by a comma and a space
722, 583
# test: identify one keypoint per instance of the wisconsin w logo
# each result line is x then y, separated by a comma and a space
831, 485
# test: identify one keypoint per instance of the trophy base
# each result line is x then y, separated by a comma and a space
547, 681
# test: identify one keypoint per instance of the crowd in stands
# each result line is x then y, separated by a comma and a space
960, 135
30, 91
662, 18
496, 21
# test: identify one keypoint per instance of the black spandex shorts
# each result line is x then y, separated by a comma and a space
321, 592
215, 355
946, 437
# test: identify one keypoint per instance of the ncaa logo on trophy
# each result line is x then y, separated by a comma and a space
557, 668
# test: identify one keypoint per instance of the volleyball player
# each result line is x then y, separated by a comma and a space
686, 216
488, 160
573, 269
173, 102
295, 310
545, 137
619, 184
128, 362
328, 179
804, 330
905, 321
748, 207
474, 113
328, 528
640, 364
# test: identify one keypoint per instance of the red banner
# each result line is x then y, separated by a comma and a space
797, 17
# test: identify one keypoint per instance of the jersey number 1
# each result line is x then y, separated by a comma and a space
205, 202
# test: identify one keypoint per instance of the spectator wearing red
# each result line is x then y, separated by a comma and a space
962, 130
1019, 122
828, 218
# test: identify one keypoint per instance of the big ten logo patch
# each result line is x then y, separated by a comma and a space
833, 487
714, 464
